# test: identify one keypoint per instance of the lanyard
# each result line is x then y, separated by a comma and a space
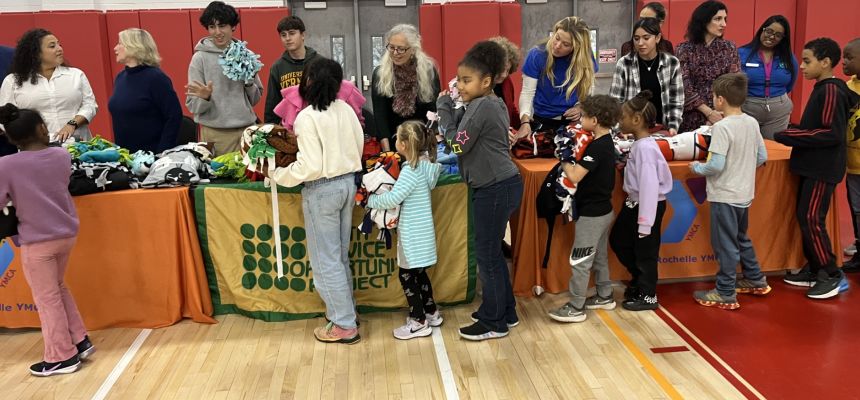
768, 70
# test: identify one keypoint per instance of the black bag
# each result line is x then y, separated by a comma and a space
8, 223
548, 206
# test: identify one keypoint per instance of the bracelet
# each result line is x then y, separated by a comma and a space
529, 123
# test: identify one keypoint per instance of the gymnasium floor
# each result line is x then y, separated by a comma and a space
782, 346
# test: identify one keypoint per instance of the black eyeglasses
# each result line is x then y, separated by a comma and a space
774, 34
397, 50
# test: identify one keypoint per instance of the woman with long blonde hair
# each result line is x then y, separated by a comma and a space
405, 84
144, 108
556, 74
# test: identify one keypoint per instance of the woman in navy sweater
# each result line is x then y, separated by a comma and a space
144, 108
772, 71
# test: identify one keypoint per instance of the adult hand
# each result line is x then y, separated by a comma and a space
65, 133
525, 130
714, 117
574, 113
198, 89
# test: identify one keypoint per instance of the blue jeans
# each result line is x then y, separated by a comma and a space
327, 206
493, 206
732, 245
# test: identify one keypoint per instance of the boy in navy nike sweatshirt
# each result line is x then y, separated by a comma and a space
818, 157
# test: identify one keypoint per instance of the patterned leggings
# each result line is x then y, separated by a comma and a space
418, 291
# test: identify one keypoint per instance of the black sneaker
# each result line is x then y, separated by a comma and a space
853, 265
803, 278
510, 324
630, 293
85, 348
825, 286
62, 367
478, 332
641, 303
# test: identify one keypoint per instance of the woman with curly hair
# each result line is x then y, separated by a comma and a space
405, 84
40, 80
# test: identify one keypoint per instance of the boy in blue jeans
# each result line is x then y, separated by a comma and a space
818, 156
736, 150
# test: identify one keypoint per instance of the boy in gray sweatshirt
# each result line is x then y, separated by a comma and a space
222, 107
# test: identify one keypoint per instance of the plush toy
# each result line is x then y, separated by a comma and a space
383, 172
240, 64
687, 146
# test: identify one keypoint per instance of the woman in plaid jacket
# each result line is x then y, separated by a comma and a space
647, 68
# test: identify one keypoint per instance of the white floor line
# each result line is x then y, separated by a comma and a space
713, 354
121, 365
444, 366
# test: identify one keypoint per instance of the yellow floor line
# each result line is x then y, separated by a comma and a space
633, 349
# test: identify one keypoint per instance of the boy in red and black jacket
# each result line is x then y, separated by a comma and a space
818, 157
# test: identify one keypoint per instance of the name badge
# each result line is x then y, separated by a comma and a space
752, 65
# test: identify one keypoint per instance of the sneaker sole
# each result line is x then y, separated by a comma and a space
640, 307
486, 336
87, 353
436, 324
755, 291
799, 283
510, 325
607, 306
827, 295
421, 333
580, 318
721, 306
68, 370
353, 340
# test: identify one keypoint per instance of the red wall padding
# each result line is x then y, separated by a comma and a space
259, 28
172, 34
14, 25
430, 25
667, 28
117, 22
510, 26
83, 35
461, 29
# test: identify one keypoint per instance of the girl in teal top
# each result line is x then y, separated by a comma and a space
416, 246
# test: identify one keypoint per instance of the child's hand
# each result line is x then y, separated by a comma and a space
444, 93
673, 132
693, 166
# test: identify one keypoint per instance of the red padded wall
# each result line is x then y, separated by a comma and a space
640, 4
836, 20
14, 25
118, 21
172, 34
461, 29
260, 30
83, 35
739, 27
510, 26
430, 25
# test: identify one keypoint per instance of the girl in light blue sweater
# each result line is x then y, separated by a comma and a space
416, 247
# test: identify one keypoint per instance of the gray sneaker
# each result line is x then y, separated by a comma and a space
596, 302
568, 313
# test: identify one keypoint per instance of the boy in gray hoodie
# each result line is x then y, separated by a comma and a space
222, 107
287, 70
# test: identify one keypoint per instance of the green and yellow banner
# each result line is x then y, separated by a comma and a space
237, 239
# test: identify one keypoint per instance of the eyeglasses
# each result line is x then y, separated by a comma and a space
774, 34
397, 50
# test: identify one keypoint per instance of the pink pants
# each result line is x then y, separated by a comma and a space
44, 267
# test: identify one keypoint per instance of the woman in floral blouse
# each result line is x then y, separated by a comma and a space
705, 56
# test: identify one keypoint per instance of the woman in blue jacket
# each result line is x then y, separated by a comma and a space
772, 70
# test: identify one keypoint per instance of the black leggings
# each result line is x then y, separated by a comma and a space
638, 255
418, 291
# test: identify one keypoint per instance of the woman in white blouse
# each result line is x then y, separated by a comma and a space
40, 80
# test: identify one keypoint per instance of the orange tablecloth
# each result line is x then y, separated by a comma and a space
773, 227
137, 263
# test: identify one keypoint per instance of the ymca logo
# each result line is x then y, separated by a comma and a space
6, 257
684, 208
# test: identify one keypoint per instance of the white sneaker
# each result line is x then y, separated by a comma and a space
413, 329
434, 319
850, 250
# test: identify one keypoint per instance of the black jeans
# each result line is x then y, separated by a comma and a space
419, 292
813, 202
492, 207
638, 255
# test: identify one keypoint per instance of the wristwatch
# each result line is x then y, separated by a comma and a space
72, 122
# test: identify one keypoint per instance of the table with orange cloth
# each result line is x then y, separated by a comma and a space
136, 264
687, 252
